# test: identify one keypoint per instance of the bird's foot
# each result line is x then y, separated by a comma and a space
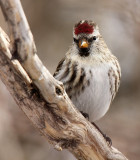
108, 139
85, 115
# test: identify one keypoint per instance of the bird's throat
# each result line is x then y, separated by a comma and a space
84, 52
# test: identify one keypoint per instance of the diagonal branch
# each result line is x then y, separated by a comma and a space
41, 97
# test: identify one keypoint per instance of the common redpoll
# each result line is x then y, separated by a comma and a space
89, 71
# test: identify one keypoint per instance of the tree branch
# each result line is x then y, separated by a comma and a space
41, 97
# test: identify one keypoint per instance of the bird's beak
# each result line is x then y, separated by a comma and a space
83, 43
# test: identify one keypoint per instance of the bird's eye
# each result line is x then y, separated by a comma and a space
92, 39
75, 40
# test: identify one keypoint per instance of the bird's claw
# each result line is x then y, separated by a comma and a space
85, 115
108, 140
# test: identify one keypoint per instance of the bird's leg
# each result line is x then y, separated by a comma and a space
85, 115
108, 139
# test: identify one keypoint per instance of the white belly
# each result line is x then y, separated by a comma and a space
95, 99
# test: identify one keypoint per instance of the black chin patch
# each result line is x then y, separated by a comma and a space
84, 52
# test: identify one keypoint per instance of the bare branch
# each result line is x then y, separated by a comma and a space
49, 109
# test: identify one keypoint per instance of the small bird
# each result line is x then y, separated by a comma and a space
89, 71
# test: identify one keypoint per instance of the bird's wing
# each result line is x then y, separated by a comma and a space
59, 67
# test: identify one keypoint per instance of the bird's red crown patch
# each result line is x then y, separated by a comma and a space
84, 28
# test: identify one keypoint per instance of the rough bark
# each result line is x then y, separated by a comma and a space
41, 97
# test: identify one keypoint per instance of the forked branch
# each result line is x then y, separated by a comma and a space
41, 97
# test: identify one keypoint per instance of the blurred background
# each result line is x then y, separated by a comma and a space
51, 23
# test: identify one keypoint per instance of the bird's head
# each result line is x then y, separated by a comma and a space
85, 36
